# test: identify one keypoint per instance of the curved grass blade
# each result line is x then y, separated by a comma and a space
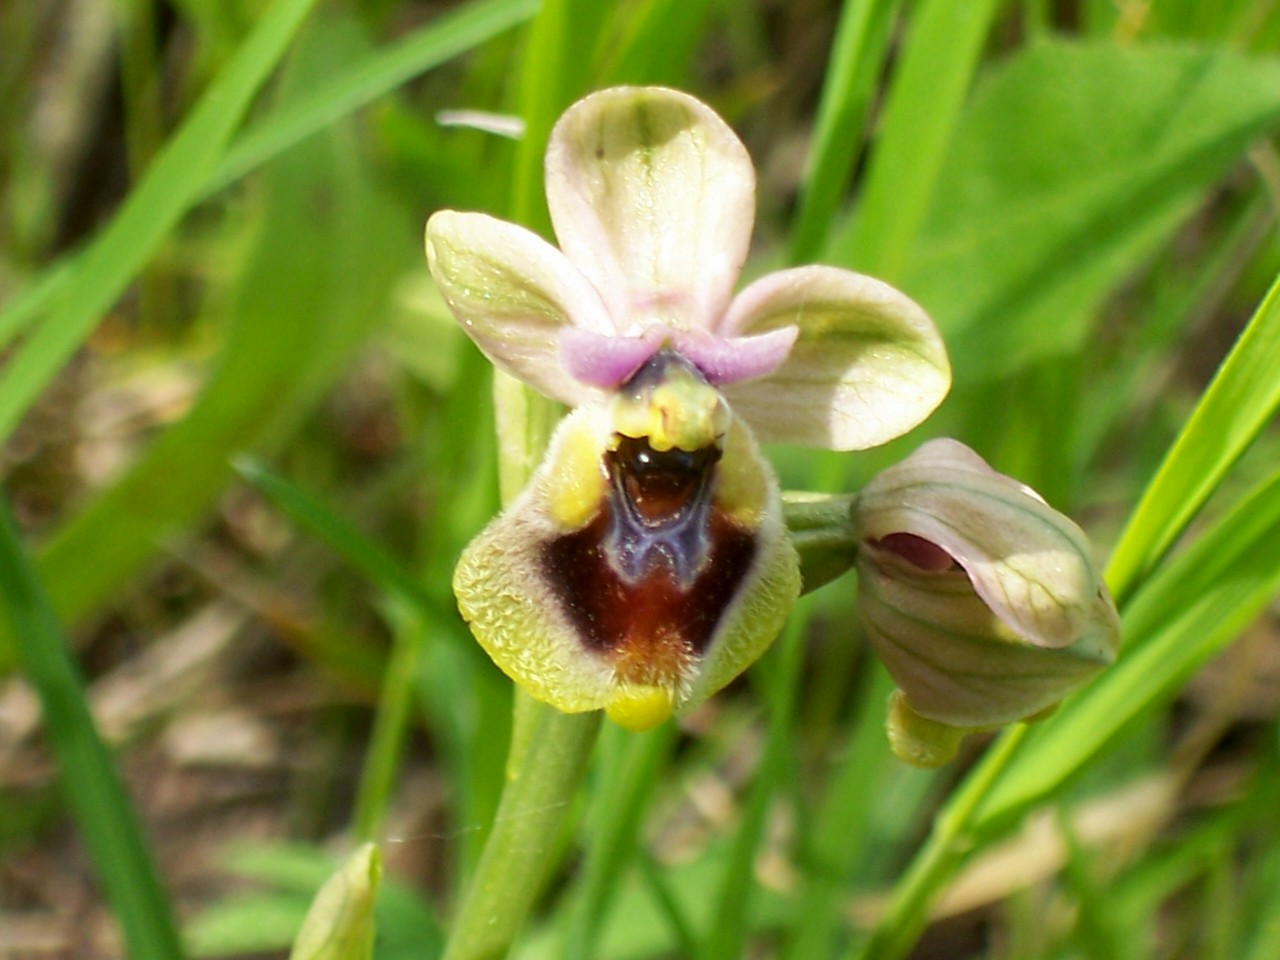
856, 59
299, 311
1243, 397
412, 613
341, 536
1192, 609
377, 74
169, 188
98, 802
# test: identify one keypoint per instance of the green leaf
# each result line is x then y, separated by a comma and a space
1195, 606
938, 59
1242, 398
169, 188
1073, 163
98, 801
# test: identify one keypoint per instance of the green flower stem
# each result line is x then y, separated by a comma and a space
549, 749
821, 529
524, 422
946, 848
548, 760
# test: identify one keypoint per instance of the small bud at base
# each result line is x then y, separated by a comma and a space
917, 740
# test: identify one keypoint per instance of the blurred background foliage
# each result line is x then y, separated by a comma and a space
244, 443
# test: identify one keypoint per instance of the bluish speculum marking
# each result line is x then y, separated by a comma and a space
660, 511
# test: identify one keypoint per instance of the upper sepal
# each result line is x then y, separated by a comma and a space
652, 196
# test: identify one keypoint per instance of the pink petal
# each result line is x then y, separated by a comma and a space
724, 360
606, 361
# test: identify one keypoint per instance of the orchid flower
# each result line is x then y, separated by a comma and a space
646, 563
982, 600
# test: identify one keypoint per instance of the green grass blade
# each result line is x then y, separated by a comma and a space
170, 187
632, 764
562, 30
1073, 164
20, 312
1264, 940
1103, 931
658, 43
839, 837
298, 311
372, 76
1242, 398
341, 536
852, 73
98, 802
411, 627
376, 74
1194, 607
780, 675
941, 54
391, 725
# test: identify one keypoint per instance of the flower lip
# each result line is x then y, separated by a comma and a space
702, 573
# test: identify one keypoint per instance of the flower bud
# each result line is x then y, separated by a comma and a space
983, 601
340, 923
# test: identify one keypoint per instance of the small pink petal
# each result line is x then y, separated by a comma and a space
606, 361
724, 360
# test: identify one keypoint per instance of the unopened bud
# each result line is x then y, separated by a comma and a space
983, 601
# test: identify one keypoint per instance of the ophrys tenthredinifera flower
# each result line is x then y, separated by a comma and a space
646, 564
